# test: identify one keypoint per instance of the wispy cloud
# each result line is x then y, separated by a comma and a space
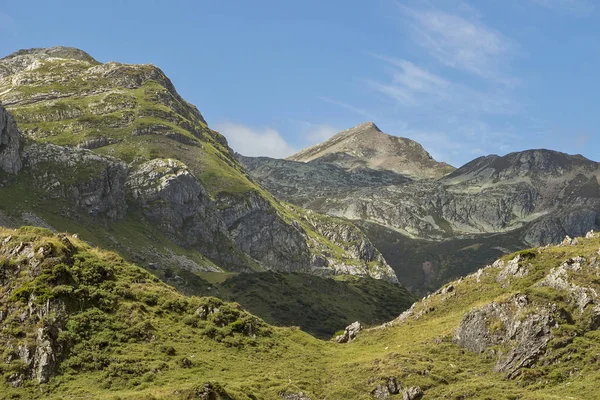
579, 8
255, 142
455, 41
413, 86
356, 110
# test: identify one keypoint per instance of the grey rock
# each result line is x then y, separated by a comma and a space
524, 329
171, 197
413, 393
94, 183
10, 143
350, 333
386, 390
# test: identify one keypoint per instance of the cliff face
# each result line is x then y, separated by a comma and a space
113, 151
490, 206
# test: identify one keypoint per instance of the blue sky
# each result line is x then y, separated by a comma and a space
463, 78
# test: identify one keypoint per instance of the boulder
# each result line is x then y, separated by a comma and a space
350, 333
413, 393
385, 390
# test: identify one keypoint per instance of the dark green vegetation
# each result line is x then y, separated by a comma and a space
319, 306
425, 265
116, 331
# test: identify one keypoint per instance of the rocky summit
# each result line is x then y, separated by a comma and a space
432, 230
366, 146
113, 152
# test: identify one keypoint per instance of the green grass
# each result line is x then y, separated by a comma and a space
166, 349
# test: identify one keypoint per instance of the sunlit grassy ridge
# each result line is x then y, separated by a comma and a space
127, 335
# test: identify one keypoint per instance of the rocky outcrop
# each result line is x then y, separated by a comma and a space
259, 231
10, 144
93, 183
523, 328
350, 333
171, 197
386, 389
413, 393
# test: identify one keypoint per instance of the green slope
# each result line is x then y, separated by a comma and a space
117, 332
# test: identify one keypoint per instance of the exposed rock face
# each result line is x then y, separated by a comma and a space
350, 333
173, 198
10, 143
93, 183
257, 229
503, 324
367, 146
39, 357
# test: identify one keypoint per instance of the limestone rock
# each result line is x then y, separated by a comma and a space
413, 393
524, 329
384, 391
10, 144
94, 183
350, 333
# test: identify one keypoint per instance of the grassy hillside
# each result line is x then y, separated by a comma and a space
317, 305
117, 332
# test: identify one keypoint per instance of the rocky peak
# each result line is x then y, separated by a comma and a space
52, 52
366, 146
26, 58
529, 163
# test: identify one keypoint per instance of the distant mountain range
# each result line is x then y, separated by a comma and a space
433, 222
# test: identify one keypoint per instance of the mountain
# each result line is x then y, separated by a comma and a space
366, 146
79, 322
112, 152
431, 231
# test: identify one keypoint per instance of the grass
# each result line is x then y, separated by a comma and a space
166, 350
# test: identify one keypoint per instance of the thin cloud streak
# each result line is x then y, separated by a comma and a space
412, 86
466, 45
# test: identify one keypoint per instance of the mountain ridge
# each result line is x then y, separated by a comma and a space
532, 197
115, 146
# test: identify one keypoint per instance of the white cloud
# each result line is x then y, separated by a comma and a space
574, 7
467, 45
255, 142
268, 142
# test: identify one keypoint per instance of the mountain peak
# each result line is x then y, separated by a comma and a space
366, 146
536, 162
53, 52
